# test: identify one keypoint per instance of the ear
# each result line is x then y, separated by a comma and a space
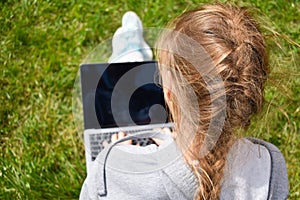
168, 87
167, 94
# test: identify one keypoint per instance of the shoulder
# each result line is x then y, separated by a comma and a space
249, 170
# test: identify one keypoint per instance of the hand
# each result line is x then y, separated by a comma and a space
119, 136
158, 142
166, 131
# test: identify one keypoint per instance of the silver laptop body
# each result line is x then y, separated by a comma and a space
120, 97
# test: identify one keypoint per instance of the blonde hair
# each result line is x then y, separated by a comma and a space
237, 50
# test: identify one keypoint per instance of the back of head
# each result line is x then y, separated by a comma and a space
232, 39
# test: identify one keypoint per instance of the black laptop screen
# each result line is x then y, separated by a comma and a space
121, 94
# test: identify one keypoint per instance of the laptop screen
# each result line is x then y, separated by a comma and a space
121, 94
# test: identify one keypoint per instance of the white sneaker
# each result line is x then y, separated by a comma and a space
128, 43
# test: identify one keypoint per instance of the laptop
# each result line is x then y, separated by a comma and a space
120, 97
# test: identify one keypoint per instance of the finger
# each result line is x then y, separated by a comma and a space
165, 131
122, 135
157, 141
169, 132
114, 137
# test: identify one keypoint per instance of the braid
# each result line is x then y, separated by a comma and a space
236, 46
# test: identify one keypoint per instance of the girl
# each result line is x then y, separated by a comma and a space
212, 43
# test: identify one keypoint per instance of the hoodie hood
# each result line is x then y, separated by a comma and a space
134, 172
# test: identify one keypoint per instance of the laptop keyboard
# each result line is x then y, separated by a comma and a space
99, 141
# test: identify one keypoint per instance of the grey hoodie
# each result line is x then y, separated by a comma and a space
133, 172
159, 172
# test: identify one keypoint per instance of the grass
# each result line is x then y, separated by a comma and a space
43, 42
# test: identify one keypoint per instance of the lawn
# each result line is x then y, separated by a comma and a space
42, 44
